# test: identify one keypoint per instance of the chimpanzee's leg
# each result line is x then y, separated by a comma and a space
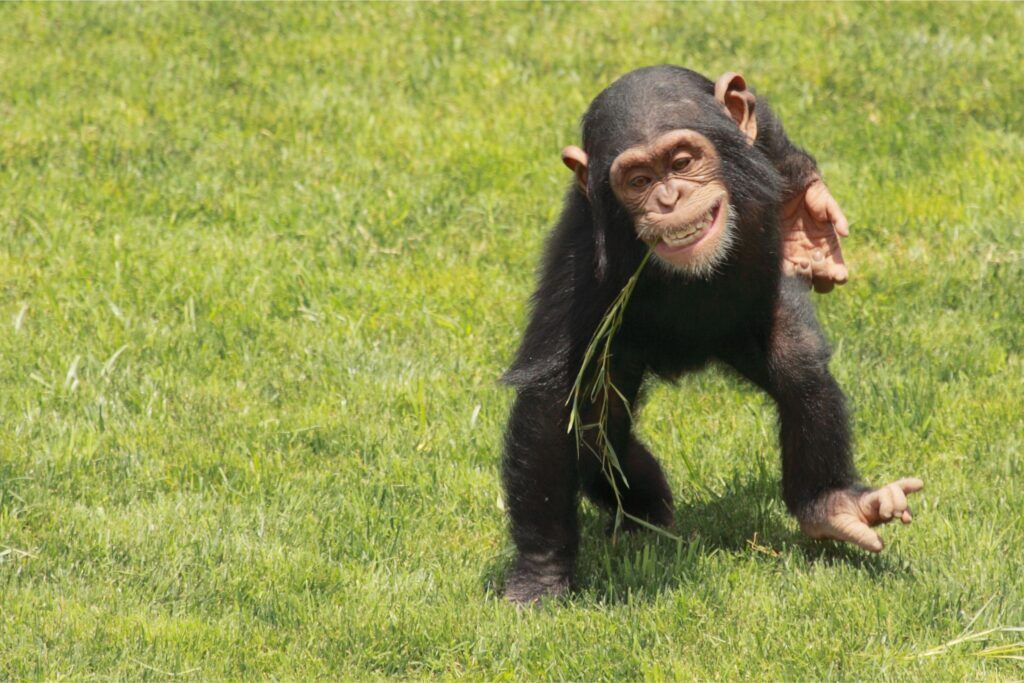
645, 492
541, 486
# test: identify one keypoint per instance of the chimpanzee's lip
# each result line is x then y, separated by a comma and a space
685, 238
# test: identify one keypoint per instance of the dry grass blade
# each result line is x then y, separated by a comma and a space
1014, 650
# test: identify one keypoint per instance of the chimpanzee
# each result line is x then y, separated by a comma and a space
702, 175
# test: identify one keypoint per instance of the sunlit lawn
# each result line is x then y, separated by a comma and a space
262, 265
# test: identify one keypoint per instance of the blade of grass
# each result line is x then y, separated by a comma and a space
599, 390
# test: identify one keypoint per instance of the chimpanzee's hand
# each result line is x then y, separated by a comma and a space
848, 514
812, 223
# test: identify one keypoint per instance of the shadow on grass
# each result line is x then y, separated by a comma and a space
747, 518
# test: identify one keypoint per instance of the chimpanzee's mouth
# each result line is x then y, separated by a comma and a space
684, 236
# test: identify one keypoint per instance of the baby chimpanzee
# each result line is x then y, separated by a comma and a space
702, 175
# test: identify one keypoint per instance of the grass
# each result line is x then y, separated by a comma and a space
262, 265
594, 384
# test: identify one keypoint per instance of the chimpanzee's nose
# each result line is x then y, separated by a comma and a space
666, 195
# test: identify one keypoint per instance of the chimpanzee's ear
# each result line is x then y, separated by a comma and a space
731, 91
576, 159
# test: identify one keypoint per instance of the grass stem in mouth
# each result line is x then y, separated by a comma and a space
599, 391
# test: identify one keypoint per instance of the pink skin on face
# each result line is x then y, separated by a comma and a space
672, 187
685, 253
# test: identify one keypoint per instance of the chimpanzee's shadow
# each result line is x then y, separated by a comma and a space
745, 517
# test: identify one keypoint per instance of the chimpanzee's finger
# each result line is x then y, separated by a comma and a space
899, 501
802, 269
870, 503
820, 268
838, 273
886, 504
860, 534
892, 504
823, 284
838, 218
909, 484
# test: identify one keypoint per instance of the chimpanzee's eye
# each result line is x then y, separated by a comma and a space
639, 182
681, 163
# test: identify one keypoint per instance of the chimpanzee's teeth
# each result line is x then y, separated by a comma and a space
687, 233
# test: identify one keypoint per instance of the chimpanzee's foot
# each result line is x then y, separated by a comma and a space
645, 494
529, 581
659, 512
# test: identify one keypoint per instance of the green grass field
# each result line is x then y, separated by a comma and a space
261, 267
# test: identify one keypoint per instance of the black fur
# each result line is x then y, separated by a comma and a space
746, 315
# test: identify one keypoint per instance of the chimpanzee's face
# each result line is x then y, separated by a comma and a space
672, 188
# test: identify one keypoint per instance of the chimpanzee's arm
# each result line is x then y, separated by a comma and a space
797, 168
819, 482
541, 484
812, 221
813, 423
791, 364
